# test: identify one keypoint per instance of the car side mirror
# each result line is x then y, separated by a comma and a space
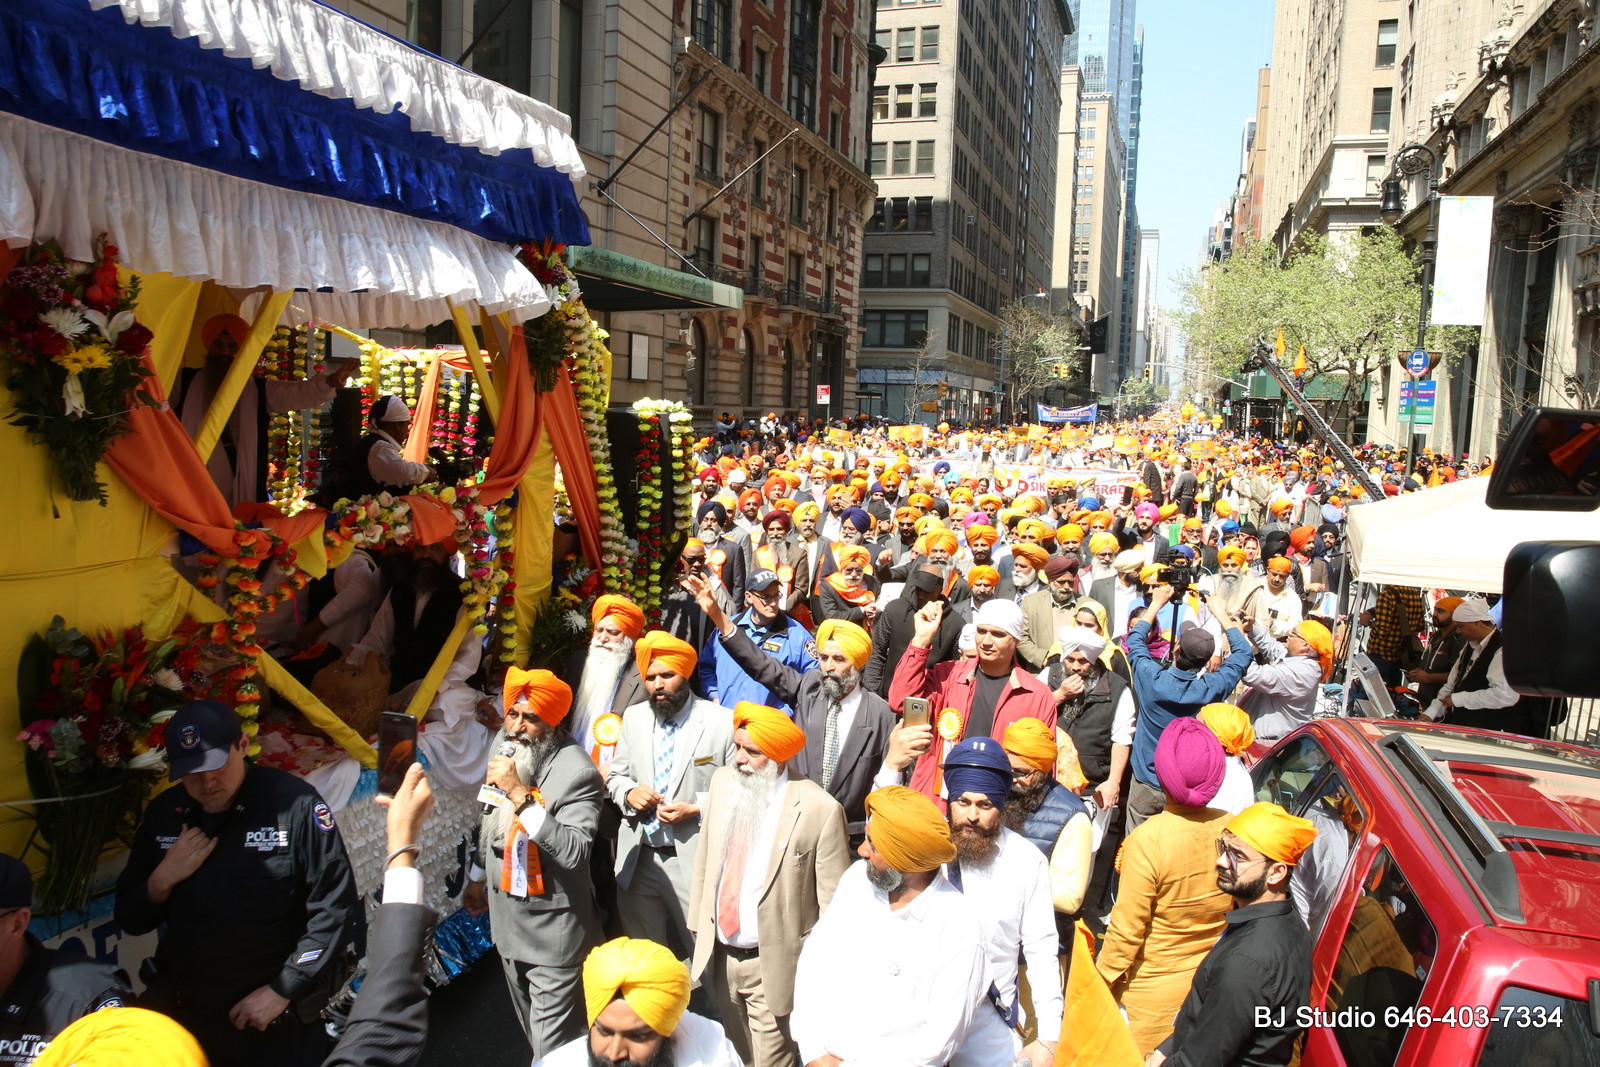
1551, 462
1552, 597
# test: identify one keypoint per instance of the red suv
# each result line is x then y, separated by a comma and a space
1453, 892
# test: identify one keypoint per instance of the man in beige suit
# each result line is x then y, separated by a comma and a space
774, 849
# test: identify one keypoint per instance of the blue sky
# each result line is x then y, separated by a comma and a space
1200, 63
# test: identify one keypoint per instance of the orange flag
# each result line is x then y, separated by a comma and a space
1093, 1032
1278, 347
1300, 361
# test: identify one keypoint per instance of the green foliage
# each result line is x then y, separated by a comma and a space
1041, 348
1351, 300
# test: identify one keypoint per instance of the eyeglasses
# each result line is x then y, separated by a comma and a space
1233, 857
1018, 773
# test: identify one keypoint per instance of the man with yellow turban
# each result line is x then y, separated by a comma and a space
1243, 1002
847, 727
752, 904
533, 850
1231, 724
669, 748
896, 969
636, 998
1285, 684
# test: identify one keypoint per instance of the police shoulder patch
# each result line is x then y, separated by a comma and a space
324, 816
113, 1001
811, 649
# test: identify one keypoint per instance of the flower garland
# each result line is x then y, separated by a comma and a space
589, 372
548, 337
74, 352
505, 611
661, 525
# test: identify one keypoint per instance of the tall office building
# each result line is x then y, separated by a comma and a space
1131, 241
963, 148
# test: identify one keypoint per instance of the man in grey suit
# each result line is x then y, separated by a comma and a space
862, 719
536, 841
671, 745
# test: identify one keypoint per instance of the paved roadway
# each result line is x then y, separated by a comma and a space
471, 1024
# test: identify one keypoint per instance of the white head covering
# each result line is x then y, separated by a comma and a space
389, 409
1133, 559
969, 637
1471, 609
1001, 614
1081, 639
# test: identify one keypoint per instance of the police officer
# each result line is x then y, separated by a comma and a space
42, 991
773, 631
244, 866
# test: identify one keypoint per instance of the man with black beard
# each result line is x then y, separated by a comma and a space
544, 808
1246, 995
670, 747
849, 749
637, 1000
774, 850
1008, 882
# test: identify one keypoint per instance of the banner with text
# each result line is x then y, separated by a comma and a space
1084, 413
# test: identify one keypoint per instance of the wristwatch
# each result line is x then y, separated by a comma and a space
527, 802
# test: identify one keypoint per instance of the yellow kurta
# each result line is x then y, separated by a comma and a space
1169, 912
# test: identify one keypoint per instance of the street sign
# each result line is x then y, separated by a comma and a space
1417, 363
824, 395
1425, 395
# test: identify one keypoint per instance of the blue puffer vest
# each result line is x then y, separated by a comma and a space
1045, 825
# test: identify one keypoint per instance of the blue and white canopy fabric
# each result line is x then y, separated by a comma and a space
279, 144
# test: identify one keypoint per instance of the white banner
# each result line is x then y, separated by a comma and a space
1461, 273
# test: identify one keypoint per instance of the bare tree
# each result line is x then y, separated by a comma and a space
918, 394
1035, 349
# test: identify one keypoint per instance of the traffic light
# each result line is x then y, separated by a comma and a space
1147, 372
944, 390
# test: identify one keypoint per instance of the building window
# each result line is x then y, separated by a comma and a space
924, 157
756, 261
905, 44
1082, 229
927, 100
922, 214
877, 159
1086, 153
930, 42
1085, 175
704, 252
569, 74
797, 272
713, 22
762, 72
876, 223
1388, 39
708, 146
836, 57
872, 269
880, 103
1377, 170
1086, 134
921, 269
758, 171
804, 43
833, 210
885, 328
797, 195
904, 101
835, 129
424, 23
900, 158
1382, 106
1086, 114
748, 366
788, 375
700, 376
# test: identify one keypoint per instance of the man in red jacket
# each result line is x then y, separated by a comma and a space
969, 697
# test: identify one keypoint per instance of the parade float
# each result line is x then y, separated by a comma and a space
163, 163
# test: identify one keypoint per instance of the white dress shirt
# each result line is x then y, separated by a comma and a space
1499, 694
884, 988
388, 467
755, 869
1015, 905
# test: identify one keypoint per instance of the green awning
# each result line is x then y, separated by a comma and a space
612, 281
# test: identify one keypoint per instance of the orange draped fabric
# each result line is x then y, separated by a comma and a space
564, 424
416, 447
291, 528
516, 435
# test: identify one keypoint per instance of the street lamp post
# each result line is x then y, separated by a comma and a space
1410, 160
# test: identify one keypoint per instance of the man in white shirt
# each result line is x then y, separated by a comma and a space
636, 997
1279, 607
895, 971
1008, 880
774, 850
1477, 693
391, 425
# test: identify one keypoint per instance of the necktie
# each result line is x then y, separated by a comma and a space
663, 779
830, 744
732, 884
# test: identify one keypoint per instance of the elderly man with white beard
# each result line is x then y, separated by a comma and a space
1008, 881
535, 841
774, 849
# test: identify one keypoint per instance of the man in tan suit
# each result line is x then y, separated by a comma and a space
774, 849
1044, 613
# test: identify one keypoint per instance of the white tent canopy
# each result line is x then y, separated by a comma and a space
1449, 538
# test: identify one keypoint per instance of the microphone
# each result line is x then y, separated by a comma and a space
508, 749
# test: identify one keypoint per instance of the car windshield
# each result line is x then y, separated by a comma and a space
1544, 806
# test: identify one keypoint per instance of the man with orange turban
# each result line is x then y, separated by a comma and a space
1441, 652
608, 680
1279, 605
1243, 1004
848, 726
670, 746
1026, 566
1285, 685
543, 812
897, 915
1049, 816
636, 998
752, 904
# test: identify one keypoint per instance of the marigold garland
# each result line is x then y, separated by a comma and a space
661, 524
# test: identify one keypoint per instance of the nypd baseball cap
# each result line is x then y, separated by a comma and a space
199, 737
761, 579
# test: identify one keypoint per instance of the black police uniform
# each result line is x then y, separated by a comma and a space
274, 904
52, 990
